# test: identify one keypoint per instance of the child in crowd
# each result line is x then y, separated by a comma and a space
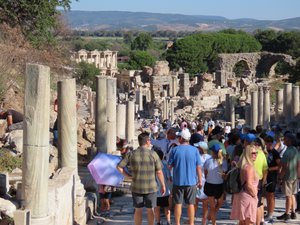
163, 201
105, 197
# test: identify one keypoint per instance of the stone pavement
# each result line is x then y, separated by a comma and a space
122, 213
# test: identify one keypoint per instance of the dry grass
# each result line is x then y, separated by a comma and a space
15, 53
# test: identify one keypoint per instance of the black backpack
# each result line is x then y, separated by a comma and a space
233, 182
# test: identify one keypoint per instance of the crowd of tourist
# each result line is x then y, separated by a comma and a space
187, 162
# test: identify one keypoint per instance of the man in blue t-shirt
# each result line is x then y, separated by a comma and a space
185, 161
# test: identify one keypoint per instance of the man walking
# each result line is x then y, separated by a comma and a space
290, 162
145, 165
185, 161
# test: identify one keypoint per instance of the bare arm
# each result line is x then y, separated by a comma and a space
9, 120
161, 179
199, 174
123, 172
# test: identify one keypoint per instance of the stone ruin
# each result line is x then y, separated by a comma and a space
106, 60
115, 105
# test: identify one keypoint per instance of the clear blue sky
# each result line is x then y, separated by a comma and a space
231, 9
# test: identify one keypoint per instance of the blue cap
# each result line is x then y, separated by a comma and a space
215, 148
195, 138
250, 137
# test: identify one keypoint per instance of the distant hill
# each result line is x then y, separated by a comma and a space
118, 20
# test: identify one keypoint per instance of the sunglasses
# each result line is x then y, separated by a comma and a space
254, 153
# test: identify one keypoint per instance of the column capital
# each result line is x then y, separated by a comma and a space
266, 89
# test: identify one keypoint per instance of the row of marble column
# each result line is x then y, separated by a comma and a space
260, 107
111, 120
36, 138
168, 108
286, 106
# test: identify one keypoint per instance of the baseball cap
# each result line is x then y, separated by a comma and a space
215, 148
195, 138
185, 134
201, 144
250, 137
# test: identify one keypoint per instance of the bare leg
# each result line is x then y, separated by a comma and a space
293, 206
219, 203
191, 213
138, 216
168, 214
157, 214
177, 213
288, 204
212, 210
248, 222
204, 210
150, 216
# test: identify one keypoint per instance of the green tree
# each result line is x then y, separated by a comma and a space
139, 59
86, 74
142, 42
198, 52
37, 19
128, 37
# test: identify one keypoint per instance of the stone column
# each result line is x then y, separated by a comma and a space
173, 86
172, 106
100, 122
167, 108
121, 121
295, 101
67, 123
130, 122
232, 111
287, 102
279, 105
111, 113
248, 114
227, 107
254, 110
36, 142
260, 105
164, 108
266, 111
140, 96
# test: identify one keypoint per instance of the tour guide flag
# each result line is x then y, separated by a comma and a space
104, 171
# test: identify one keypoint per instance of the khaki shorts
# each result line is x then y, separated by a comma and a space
290, 187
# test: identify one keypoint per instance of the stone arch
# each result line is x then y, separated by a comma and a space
247, 72
268, 62
258, 63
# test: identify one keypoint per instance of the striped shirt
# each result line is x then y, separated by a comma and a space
144, 164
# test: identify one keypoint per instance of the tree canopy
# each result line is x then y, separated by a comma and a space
37, 19
197, 53
139, 59
142, 42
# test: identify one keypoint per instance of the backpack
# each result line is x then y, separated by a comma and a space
233, 182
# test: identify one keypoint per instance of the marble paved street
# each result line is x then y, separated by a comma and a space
122, 213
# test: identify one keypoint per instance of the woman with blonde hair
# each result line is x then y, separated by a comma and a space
244, 207
214, 169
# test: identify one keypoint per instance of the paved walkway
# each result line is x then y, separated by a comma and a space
122, 213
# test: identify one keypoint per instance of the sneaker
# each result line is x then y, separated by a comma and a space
270, 221
284, 217
169, 223
293, 216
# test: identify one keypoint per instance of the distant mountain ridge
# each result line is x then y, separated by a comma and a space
123, 20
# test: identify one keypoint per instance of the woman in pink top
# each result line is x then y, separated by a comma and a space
244, 205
